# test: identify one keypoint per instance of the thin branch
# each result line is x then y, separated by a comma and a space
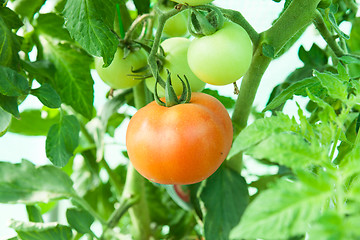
327, 35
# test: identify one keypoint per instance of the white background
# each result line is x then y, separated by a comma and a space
260, 13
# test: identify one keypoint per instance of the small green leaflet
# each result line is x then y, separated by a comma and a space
25, 183
297, 88
62, 139
27, 8
6, 52
334, 86
12, 84
285, 210
10, 18
142, 6
260, 130
47, 95
224, 190
5, 119
34, 213
79, 219
332, 20
36, 231
10, 105
330, 226
288, 149
89, 23
228, 102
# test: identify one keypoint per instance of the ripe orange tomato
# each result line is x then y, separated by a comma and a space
182, 144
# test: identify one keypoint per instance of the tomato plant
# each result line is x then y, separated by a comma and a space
119, 74
175, 61
183, 144
277, 158
222, 57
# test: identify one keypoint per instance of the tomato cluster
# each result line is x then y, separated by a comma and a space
184, 143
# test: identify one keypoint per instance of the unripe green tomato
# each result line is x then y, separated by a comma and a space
116, 75
223, 57
193, 2
176, 26
176, 62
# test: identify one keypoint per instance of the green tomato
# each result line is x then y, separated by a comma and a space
116, 75
193, 2
176, 62
223, 57
176, 26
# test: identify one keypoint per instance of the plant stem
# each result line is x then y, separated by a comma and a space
327, 35
277, 36
238, 18
135, 186
88, 208
154, 50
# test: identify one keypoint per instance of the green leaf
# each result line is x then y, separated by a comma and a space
348, 59
27, 8
334, 86
34, 213
350, 164
329, 226
5, 119
284, 210
12, 83
223, 213
25, 183
47, 95
298, 88
52, 25
79, 219
62, 139
354, 41
10, 18
314, 57
10, 105
142, 6
89, 23
6, 44
228, 102
37, 231
288, 149
34, 122
260, 130
328, 112
72, 80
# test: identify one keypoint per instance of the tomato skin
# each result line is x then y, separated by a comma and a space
176, 50
182, 144
175, 26
193, 2
116, 75
223, 57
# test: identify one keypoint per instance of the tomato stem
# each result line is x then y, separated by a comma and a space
284, 29
326, 34
135, 185
152, 59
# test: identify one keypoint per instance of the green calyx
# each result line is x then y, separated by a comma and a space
171, 99
205, 20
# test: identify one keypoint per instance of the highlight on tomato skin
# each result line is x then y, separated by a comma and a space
183, 144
